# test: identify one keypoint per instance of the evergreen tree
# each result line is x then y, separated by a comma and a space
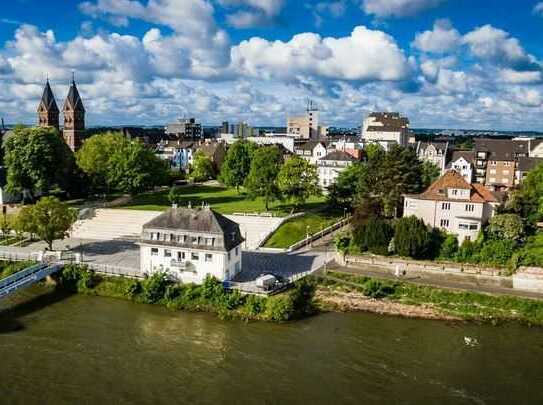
412, 238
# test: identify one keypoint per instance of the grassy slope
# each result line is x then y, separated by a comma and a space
467, 305
9, 268
223, 200
295, 229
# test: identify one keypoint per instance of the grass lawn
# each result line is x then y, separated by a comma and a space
221, 199
296, 229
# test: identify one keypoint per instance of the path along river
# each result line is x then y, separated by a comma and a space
89, 350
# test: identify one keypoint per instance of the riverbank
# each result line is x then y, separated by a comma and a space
211, 297
348, 292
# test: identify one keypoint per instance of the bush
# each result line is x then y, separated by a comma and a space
254, 305
412, 238
506, 226
378, 289
496, 252
76, 278
212, 289
279, 308
154, 287
449, 247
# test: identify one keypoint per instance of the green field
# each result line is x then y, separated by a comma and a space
297, 228
221, 199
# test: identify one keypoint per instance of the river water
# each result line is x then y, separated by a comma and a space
87, 350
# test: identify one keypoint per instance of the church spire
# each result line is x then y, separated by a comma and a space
48, 111
74, 117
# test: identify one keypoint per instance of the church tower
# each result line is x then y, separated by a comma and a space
48, 110
74, 118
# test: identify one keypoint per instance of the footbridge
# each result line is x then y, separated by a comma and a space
27, 277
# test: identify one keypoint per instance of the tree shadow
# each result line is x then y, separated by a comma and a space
106, 247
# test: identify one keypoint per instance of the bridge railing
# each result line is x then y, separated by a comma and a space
21, 274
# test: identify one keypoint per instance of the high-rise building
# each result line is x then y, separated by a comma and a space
186, 128
306, 126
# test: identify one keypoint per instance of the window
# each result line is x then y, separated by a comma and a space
492, 171
167, 253
194, 240
506, 172
455, 191
473, 227
237, 251
194, 256
444, 223
154, 252
180, 256
228, 256
446, 206
505, 181
470, 207
209, 257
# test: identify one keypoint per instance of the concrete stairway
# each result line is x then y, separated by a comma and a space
109, 224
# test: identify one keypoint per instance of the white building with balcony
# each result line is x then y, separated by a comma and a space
454, 205
190, 244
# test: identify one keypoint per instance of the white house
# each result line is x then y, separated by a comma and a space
454, 205
311, 150
462, 162
189, 244
386, 129
330, 166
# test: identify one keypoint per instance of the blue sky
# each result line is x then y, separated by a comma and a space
444, 63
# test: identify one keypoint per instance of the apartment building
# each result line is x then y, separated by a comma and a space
454, 205
386, 129
190, 244
524, 165
306, 126
311, 151
186, 128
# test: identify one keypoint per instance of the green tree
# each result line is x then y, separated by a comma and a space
262, 178
38, 161
237, 164
345, 190
298, 180
373, 235
94, 157
449, 247
528, 201
506, 226
202, 167
50, 219
411, 237
430, 173
6, 225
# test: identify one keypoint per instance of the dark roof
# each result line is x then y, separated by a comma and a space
525, 164
339, 155
440, 146
48, 99
73, 101
391, 121
203, 220
309, 145
498, 149
468, 155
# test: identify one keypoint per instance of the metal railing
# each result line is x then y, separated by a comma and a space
114, 270
26, 277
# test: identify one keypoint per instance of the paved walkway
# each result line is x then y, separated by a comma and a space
442, 280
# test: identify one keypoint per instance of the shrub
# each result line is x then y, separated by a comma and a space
279, 308
254, 305
212, 289
466, 252
374, 235
496, 252
412, 238
154, 287
506, 226
449, 247
378, 289
76, 278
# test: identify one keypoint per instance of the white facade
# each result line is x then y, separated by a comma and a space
313, 153
286, 141
330, 166
463, 167
385, 129
435, 154
190, 265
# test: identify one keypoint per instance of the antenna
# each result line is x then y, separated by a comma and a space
73, 76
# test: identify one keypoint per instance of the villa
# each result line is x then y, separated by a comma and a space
190, 244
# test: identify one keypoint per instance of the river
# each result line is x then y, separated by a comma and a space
87, 350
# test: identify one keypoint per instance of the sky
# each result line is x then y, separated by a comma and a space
443, 63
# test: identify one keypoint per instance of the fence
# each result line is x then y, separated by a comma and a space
18, 257
115, 270
320, 234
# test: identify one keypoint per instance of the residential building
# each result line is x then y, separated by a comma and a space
177, 153
454, 205
386, 128
190, 244
536, 147
311, 150
495, 161
286, 141
215, 151
463, 162
186, 128
330, 166
524, 165
434, 152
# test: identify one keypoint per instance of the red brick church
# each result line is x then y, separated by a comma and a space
74, 115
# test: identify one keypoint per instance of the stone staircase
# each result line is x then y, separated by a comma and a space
110, 224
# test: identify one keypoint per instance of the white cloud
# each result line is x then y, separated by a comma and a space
497, 46
364, 55
538, 9
253, 12
528, 97
443, 38
515, 77
397, 8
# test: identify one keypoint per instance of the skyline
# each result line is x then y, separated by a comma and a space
149, 62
